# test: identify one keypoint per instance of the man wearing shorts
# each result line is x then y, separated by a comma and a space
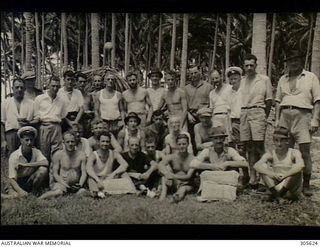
256, 90
298, 108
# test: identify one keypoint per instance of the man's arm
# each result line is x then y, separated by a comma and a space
297, 166
96, 106
3, 138
200, 146
84, 176
277, 119
268, 107
123, 165
89, 168
269, 97
43, 162
161, 104
153, 167
122, 107
315, 117
142, 140
79, 115
120, 138
260, 166
56, 159
150, 111
115, 144
185, 176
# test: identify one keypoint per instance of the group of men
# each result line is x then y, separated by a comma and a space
160, 138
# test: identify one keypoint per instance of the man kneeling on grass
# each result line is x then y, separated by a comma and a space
28, 168
176, 170
69, 169
100, 165
281, 169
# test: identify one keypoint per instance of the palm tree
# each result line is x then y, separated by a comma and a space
173, 42
64, 39
259, 35
184, 54
13, 46
159, 42
38, 50
113, 39
315, 61
228, 40
274, 20
95, 40
126, 54
29, 35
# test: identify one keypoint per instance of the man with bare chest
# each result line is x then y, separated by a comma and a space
175, 99
69, 169
136, 99
203, 130
178, 172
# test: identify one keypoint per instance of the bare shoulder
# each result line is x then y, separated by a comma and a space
58, 154
121, 133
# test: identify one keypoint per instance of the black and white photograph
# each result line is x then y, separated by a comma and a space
160, 118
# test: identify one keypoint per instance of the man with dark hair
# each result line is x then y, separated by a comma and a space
68, 168
178, 172
157, 129
137, 98
175, 99
82, 144
16, 111
256, 90
74, 100
156, 91
109, 105
298, 108
28, 168
281, 169
29, 78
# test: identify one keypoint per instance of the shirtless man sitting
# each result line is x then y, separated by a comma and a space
282, 168
136, 99
178, 169
100, 165
69, 169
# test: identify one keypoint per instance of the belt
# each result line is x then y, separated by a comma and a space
220, 113
252, 107
49, 123
290, 107
111, 120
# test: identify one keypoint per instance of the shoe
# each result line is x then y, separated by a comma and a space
307, 191
261, 188
100, 194
151, 194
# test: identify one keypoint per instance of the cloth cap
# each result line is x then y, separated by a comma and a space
132, 115
281, 133
233, 70
28, 75
27, 129
155, 71
204, 112
218, 131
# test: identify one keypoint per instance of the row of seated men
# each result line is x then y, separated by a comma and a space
83, 166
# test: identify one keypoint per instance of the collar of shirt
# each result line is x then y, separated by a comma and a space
20, 155
198, 85
303, 73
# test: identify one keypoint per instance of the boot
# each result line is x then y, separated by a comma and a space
306, 185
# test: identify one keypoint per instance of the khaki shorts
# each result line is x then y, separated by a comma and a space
253, 124
298, 122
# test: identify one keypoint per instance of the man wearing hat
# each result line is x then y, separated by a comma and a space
29, 78
219, 157
16, 111
203, 130
28, 168
132, 121
136, 99
256, 90
156, 91
298, 108
281, 169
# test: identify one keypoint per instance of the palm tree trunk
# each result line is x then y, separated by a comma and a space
65, 41
43, 49
159, 42
228, 40
79, 45
173, 42
184, 55
105, 40
274, 20
126, 54
22, 46
315, 60
29, 32
113, 39
95, 40
129, 42
38, 81
306, 63
13, 47
259, 35
86, 55
214, 47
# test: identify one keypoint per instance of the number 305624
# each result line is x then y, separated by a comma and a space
308, 242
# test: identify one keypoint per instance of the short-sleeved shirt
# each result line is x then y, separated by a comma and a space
234, 101
16, 157
74, 98
259, 91
219, 100
229, 154
306, 93
10, 114
48, 110
155, 96
198, 97
140, 163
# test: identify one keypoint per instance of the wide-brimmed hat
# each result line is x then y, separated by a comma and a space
281, 132
233, 70
204, 112
155, 71
292, 54
132, 115
218, 131
27, 129
28, 75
